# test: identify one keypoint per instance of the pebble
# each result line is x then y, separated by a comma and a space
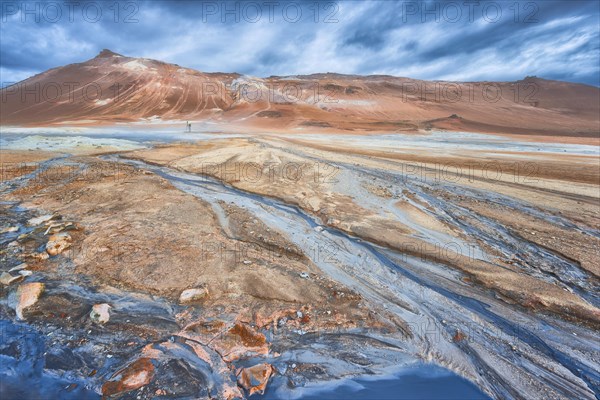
18, 267
10, 229
6, 278
58, 243
304, 275
40, 220
100, 313
191, 295
26, 296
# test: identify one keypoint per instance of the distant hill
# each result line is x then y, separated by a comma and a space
112, 88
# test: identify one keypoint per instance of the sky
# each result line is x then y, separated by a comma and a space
461, 40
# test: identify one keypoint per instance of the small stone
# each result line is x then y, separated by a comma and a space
255, 378
58, 243
319, 228
26, 296
136, 375
247, 262
458, 336
304, 275
40, 220
25, 272
40, 256
10, 229
18, 267
6, 278
100, 313
192, 295
299, 314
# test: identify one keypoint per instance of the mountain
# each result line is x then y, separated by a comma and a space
112, 88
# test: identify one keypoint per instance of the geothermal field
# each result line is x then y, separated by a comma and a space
172, 234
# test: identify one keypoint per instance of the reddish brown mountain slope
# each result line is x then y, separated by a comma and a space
112, 88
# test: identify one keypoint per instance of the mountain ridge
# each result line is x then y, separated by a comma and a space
112, 88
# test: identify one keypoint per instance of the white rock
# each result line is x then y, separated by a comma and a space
40, 220
18, 267
192, 295
6, 278
319, 228
10, 229
100, 313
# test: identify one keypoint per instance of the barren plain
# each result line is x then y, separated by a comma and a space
232, 266
193, 235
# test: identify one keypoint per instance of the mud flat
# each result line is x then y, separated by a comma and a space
229, 267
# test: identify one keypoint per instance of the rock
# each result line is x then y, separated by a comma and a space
26, 296
239, 341
18, 267
100, 313
304, 275
134, 376
299, 314
458, 336
192, 295
41, 219
39, 256
255, 378
58, 243
10, 229
6, 278
56, 228
319, 228
25, 272
247, 262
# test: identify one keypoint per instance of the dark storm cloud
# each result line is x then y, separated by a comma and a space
456, 40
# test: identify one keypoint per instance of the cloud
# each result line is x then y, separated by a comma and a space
425, 39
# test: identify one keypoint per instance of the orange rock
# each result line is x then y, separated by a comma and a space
459, 336
241, 341
134, 376
255, 378
27, 295
249, 336
58, 243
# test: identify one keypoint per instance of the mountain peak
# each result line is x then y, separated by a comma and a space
106, 53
